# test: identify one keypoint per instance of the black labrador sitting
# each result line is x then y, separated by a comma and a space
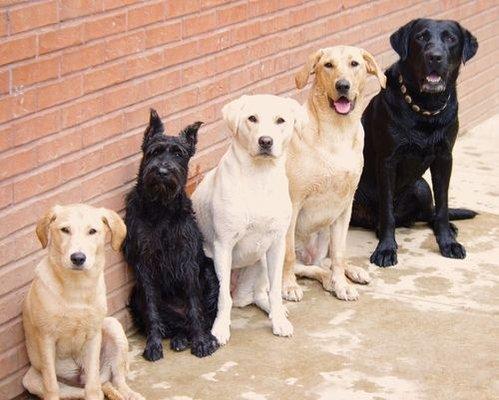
409, 127
176, 292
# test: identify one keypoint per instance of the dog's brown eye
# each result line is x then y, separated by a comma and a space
252, 118
92, 231
328, 65
280, 120
65, 229
354, 63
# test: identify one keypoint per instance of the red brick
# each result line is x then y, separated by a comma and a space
61, 145
31, 16
60, 38
145, 15
16, 163
83, 57
3, 23
96, 28
180, 53
232, 14
196, 24
37, 183
36, 127
22, 102
6, 137
82, 110
4, 82
163, 34
200, 70
59, 92
76, 8
102, 129
6, 199
163, 83
182, 100
176, 8
111, 4
37, 71
108, 75
125, 45
17, 49
143, 64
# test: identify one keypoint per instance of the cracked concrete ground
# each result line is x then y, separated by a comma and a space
426, 329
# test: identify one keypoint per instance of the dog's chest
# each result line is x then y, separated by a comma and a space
329, 190
266, 218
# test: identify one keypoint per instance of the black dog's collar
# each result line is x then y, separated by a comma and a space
415, 107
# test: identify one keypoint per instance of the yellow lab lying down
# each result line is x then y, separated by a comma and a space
74, 350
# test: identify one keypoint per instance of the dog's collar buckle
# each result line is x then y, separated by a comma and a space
415, 107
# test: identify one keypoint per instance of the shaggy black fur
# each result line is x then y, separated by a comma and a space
176, 292
401, 144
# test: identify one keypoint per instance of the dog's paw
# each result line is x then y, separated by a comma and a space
204, 346
131, 395
282, 327
153, 351
179, 343
452, 250
292, 292
96, 394
343, 291
221, 331
385, 255
358, 275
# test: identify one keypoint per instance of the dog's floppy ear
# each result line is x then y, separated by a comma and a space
373, 68
301, 77
400, 39
155, 127
470, 44
300, 114
116, 226
42, 228
231, 113
190, 136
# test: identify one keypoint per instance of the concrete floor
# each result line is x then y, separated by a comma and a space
426, 329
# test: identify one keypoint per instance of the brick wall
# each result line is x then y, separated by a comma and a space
77, 78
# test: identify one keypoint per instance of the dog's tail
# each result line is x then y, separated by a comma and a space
461, 213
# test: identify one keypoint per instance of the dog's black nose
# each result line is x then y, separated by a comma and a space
78, 258
342, 86
435, 57
265, 142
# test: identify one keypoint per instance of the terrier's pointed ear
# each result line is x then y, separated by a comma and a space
155, 127
301, 77
470, 44
400, 40
190, 136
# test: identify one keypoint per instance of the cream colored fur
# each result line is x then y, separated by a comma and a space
324, 166
74, 349
243, 209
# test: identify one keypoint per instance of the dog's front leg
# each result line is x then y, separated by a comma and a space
441, 169
203, 342
46, 346
275, 258
152, 319
290, 288
223, 267
337, 281
385, 254
91, 365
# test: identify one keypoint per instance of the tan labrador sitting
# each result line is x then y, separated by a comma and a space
324, 167
74, 350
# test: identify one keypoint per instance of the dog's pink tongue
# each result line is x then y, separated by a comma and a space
342, 105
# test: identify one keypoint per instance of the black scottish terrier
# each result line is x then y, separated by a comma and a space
176, 292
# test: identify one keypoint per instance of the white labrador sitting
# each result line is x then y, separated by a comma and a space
243, 208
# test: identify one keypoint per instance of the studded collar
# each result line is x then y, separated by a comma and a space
415, 107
